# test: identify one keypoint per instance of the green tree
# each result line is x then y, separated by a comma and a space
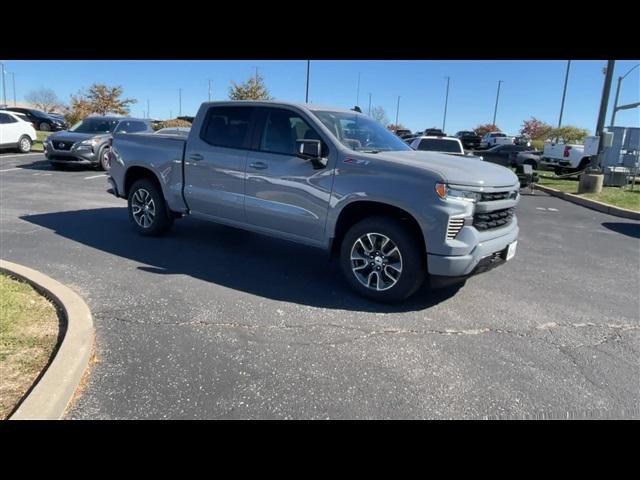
252, 89
569, 134
486, 128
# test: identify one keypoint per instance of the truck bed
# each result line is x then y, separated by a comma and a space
160, 153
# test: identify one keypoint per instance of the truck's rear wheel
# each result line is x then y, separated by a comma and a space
147, 209
381, 259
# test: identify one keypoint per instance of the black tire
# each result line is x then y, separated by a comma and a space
584, 163
558, 170
24, 144
44, 127
139, 194
104, 160
413, 262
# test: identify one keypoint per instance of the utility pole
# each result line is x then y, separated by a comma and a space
306, 97
495, 111
369, 104
397, 112
615, 103
13, 76
148, 114
4, 86
209, 89
604, 102
179, 102
170, 114
446, 100
256, 77
358, 91
564, 93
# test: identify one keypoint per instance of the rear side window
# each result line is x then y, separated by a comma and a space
5, 118
436, 145
227, 127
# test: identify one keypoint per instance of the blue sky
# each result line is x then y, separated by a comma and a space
530, 88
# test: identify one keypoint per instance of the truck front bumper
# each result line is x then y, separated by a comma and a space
486, 255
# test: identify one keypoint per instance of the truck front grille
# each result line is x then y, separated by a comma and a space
495, 219
454, 226
490, 197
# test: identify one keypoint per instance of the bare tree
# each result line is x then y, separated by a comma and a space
43, 99
378, 113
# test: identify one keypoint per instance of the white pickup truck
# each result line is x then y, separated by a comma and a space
491, 139
564, 156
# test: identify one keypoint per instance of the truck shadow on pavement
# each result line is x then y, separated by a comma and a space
628, 229
229, 257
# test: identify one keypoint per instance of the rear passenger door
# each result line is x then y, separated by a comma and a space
286, 194
214, 163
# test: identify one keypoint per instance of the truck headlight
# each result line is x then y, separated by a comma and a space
445, 192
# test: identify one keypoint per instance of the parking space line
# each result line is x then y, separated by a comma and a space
9, 169
95, 176
21, 155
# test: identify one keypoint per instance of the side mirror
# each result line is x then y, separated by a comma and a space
311, 150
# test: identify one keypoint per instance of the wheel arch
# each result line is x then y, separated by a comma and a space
135, 173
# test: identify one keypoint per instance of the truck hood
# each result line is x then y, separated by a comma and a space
456, 170
68, 136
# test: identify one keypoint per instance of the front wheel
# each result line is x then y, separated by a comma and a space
147, 209
105, 159
382, 259
45, 127
24, 144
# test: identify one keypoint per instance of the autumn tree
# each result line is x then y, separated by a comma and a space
486, 128
536, 129
43, 99
393, 127
378, 113
100, 99
252, 89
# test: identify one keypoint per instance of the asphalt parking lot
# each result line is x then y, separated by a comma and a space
211, 322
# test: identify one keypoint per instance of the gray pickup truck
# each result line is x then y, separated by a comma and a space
328, 178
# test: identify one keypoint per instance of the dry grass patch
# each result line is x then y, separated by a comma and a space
29, 328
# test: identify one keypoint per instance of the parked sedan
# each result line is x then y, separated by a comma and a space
88, 141
504, 155
45, 122
529, 158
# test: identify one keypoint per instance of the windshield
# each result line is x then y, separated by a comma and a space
360, 133
439, 145
94, 125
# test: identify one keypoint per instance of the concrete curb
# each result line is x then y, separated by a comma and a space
50, 397
592, 204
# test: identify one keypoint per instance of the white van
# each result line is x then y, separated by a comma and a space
15, 133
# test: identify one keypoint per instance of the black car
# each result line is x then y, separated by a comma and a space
42, 121
504, 155
469, 139
88, 142
434, 132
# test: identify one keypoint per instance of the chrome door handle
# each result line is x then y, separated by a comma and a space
196, 157
258, 165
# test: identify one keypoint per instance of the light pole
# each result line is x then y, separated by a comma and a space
446, 100
615, 103
358, 91
209, 89
13, 77
148, 114
4, 86
564, 92
604, 102
397, 112
179, 102
495, 111
369, 104
306, 97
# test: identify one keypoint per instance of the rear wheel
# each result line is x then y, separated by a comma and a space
382, 259
584, 163
24, 144
533, 164
147, 208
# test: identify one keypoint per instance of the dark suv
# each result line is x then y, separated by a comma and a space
42, 121
88, 142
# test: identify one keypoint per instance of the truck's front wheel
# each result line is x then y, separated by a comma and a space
147, 209
382, 259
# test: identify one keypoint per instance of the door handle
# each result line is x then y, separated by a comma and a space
196, 157
258, 165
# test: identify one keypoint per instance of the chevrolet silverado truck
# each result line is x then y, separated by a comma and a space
332, 179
